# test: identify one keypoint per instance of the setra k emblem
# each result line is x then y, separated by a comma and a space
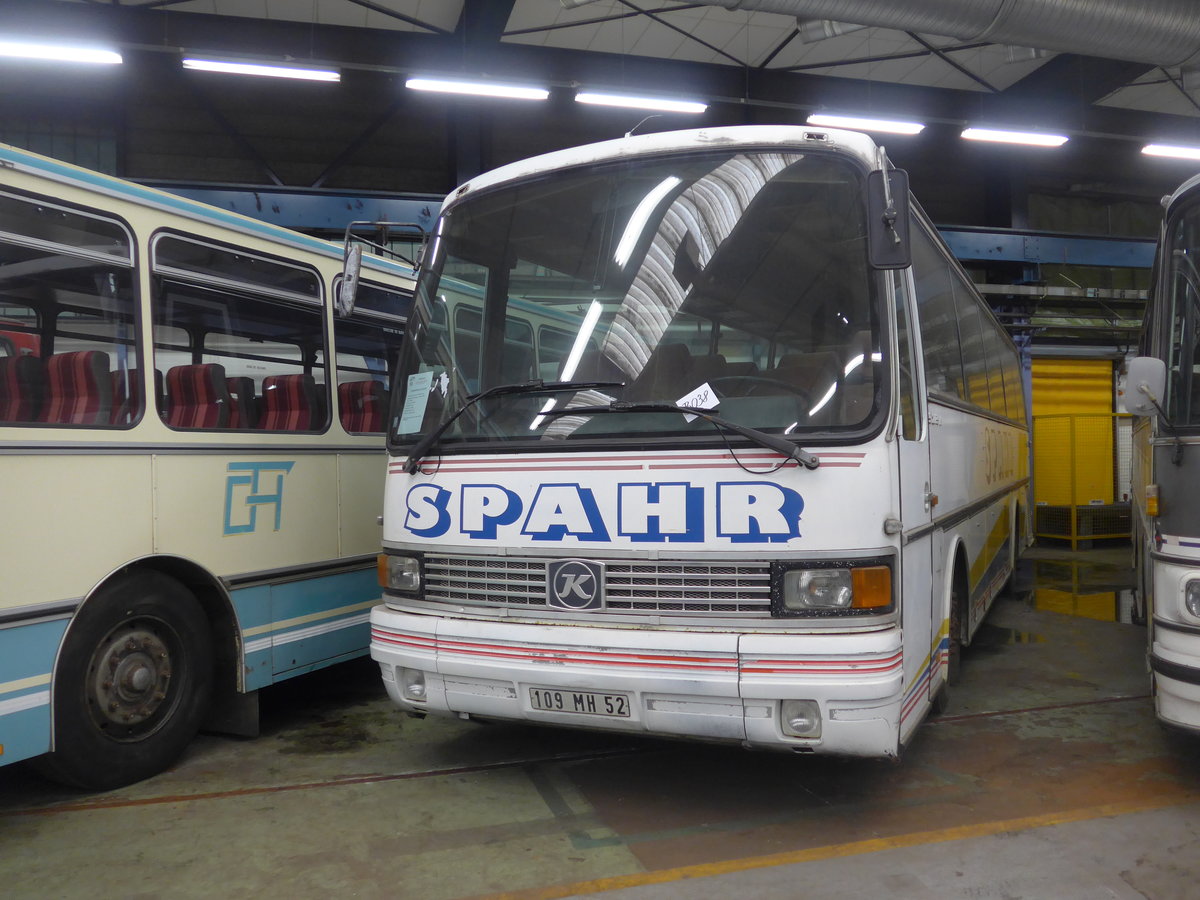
575, 584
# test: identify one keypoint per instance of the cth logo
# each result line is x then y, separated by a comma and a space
575, 584
249, 486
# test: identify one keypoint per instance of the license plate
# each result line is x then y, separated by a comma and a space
588, 703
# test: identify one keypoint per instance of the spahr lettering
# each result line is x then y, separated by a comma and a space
646, 512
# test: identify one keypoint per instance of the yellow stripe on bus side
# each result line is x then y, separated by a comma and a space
22, 684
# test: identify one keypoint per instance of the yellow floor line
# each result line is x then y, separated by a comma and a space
853, 848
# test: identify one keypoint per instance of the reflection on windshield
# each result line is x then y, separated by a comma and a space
730, 281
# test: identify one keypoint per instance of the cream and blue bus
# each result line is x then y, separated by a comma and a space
700, 434
191, 446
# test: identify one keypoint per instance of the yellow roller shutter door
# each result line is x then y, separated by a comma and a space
1073, 431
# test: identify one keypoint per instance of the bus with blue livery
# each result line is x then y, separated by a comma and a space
191, 446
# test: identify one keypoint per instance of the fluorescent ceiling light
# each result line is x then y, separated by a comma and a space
662, 104
270, 70
891, 126
59, 52
1031, 138
477, 88
1172, 150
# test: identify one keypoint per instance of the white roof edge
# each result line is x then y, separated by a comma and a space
1187, 187
784, 136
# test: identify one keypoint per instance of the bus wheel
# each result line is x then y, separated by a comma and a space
132, 684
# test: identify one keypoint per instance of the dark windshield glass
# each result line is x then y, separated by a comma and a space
1180, 261
735, 280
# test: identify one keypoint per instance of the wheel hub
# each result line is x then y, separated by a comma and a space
131, 676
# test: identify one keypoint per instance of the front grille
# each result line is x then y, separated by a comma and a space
667, 588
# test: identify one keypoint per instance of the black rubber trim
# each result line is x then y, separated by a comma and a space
1175, 671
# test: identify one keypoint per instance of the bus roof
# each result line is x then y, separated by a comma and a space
750, 136
87, 179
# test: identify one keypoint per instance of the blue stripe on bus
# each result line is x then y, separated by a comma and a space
299, 626
26, 662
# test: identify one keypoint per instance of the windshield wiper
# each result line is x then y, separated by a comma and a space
537, 386
770, 441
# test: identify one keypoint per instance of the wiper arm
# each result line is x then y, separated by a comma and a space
770, 441
537, 386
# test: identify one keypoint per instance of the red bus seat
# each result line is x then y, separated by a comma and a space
22, 386
197, 397
289, 403
360, 406
78, 389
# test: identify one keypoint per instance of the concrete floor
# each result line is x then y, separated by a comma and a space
1046, 778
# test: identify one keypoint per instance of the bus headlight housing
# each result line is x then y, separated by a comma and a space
845, 588
400, 574
1191, 598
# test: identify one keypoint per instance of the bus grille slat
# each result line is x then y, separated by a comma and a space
666, 588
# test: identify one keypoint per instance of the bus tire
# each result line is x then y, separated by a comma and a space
132, 685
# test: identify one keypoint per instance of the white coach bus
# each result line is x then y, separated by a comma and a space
191, 450
762, 492
1163, 390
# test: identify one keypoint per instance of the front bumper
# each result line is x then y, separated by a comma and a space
1175, 661
722, 686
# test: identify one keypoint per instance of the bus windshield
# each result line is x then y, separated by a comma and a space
1181, 290
735, 281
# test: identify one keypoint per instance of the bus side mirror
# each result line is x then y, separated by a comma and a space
887, 219
351, 267
1145, 381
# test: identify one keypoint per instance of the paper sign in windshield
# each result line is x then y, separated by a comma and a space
415, 401
702, 397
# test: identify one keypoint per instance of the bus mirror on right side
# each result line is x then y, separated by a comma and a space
351, 267
887, 219
1144, 384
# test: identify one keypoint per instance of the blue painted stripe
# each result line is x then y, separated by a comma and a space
27, 655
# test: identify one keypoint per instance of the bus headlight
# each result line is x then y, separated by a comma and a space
400, 574
1191, 598
832, 590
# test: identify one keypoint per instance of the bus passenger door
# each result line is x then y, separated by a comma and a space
920, 623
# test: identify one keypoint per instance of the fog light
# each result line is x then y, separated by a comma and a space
800, 718
1191, 598
412, 683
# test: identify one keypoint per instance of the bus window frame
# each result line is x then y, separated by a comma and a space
250, 291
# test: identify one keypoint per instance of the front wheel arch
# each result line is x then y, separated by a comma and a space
132, 682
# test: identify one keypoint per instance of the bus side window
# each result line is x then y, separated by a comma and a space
909, 405
68, 320
938, 317
244, 336
366, 345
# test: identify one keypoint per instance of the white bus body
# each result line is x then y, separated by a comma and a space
191, 455
1163, 389
633, 567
